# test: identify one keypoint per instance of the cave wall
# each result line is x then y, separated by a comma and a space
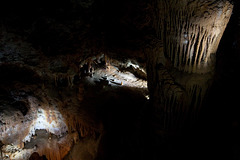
44, 48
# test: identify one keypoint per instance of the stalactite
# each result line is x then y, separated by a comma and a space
76, 123
57, 149
80, 94
201, 20
188, 35
175, 95
59, 77
51, 152
170, 99
77, 120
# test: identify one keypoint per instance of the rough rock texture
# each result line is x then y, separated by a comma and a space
191, 31
181, 60
110, 80
52, 105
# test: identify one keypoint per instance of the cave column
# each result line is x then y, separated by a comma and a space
181, 59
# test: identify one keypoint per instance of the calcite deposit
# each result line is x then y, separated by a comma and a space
110, 80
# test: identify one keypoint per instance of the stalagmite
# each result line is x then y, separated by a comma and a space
181, 58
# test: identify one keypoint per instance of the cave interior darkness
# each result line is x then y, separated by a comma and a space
74, 85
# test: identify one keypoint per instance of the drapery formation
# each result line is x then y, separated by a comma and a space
181, 59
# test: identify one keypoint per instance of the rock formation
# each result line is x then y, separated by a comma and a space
181, 59
106, 80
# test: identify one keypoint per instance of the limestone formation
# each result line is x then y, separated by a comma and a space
181, 60
117, 79
191, 31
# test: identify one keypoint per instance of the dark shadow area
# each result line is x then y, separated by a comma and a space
124, 114
16, 73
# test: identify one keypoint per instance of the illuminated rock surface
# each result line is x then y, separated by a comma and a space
110, 80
